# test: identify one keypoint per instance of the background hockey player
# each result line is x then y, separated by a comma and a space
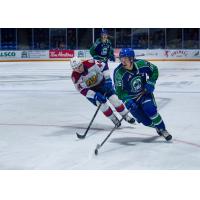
132, 77
93, 81
102, 49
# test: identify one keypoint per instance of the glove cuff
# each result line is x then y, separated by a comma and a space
151, 83
90, 94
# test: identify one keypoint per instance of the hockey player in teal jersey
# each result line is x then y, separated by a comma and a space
132, 78
102, 49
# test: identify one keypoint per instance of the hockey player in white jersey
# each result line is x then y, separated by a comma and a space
92, 79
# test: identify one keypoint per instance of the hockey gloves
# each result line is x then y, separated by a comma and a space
131, 105
112, 58
101, 58
149, 87
108, 84
100, 98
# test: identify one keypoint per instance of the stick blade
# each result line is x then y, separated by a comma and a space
96, 151
80, 136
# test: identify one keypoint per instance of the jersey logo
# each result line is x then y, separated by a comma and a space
91, 81
136, 84
104, 51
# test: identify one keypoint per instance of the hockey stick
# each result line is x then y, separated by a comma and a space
102, 143
83, 136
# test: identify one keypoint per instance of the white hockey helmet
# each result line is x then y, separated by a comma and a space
75, 62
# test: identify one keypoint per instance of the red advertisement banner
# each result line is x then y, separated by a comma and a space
61, 53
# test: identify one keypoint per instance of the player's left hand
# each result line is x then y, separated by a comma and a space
149, 87
105, 60
108, 84
100, 98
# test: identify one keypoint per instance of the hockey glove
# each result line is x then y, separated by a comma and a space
108, 84
101, 58
100, 98
105, 60
112, 58
131, 105
149, 87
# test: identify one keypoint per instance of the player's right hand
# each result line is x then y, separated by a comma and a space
101, 59
131, 105
100, 98
112, 58
149, 87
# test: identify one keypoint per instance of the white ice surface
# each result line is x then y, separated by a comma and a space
40, 112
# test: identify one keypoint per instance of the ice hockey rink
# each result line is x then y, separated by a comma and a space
41, 112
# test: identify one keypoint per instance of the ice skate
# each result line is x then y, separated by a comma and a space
165, 134
129, 119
